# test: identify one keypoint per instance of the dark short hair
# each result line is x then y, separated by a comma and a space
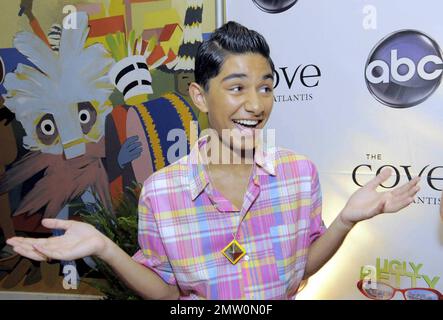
231, 38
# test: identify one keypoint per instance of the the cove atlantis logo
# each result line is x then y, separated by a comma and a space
296, 83
274, 6
431, 175
404, 69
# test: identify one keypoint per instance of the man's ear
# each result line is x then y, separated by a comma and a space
197, 94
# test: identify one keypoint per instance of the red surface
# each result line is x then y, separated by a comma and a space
104, 26
167, 32
156, 54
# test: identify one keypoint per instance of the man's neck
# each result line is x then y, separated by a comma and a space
218, 154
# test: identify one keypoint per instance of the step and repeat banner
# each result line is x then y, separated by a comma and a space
358, 88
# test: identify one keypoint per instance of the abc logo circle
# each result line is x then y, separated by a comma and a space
404, 69
274, 6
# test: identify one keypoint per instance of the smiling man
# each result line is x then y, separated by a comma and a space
223, 230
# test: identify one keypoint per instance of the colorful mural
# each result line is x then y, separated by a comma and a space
94, 105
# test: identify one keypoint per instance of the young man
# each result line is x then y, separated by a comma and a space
251, 230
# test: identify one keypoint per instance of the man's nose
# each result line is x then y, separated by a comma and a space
253, 103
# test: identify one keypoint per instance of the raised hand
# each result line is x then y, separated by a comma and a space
366, 202
80, 240
129, 151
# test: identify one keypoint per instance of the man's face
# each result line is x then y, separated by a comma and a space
240, 98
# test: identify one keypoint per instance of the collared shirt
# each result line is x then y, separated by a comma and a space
185, 223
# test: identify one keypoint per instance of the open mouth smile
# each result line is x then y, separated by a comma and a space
247, 124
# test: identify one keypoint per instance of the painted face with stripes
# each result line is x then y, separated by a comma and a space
131, 76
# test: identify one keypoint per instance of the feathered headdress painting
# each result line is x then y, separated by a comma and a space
62, 104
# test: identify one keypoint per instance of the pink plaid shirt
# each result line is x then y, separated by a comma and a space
184, 224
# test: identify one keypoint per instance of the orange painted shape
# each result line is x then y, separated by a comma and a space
39, 31
156, 54
171, 56
104, 26
168, 31
119, 116
116, 189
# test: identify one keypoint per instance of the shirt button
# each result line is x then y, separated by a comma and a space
246, 257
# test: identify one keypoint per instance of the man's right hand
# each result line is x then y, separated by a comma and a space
80, 240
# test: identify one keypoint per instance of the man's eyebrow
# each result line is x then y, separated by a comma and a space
243, 75
268, 76
234, 76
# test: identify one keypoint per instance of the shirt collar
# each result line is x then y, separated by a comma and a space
264, 158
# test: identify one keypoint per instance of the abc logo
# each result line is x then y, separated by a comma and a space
404, 69
274, 6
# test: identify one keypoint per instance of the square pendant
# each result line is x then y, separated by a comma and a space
234, 251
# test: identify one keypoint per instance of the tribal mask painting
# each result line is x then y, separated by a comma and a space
62, 102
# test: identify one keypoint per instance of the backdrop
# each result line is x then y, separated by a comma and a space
358, 89
69, 135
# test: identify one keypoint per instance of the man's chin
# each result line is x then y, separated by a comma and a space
244, 149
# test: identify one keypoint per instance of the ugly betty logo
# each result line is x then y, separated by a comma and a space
384, 280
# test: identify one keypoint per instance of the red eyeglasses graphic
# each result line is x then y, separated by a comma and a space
382, 291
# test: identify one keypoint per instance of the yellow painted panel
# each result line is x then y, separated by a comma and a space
90, 41
139, 10
158, 19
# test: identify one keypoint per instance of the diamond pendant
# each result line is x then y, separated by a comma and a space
234, 251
